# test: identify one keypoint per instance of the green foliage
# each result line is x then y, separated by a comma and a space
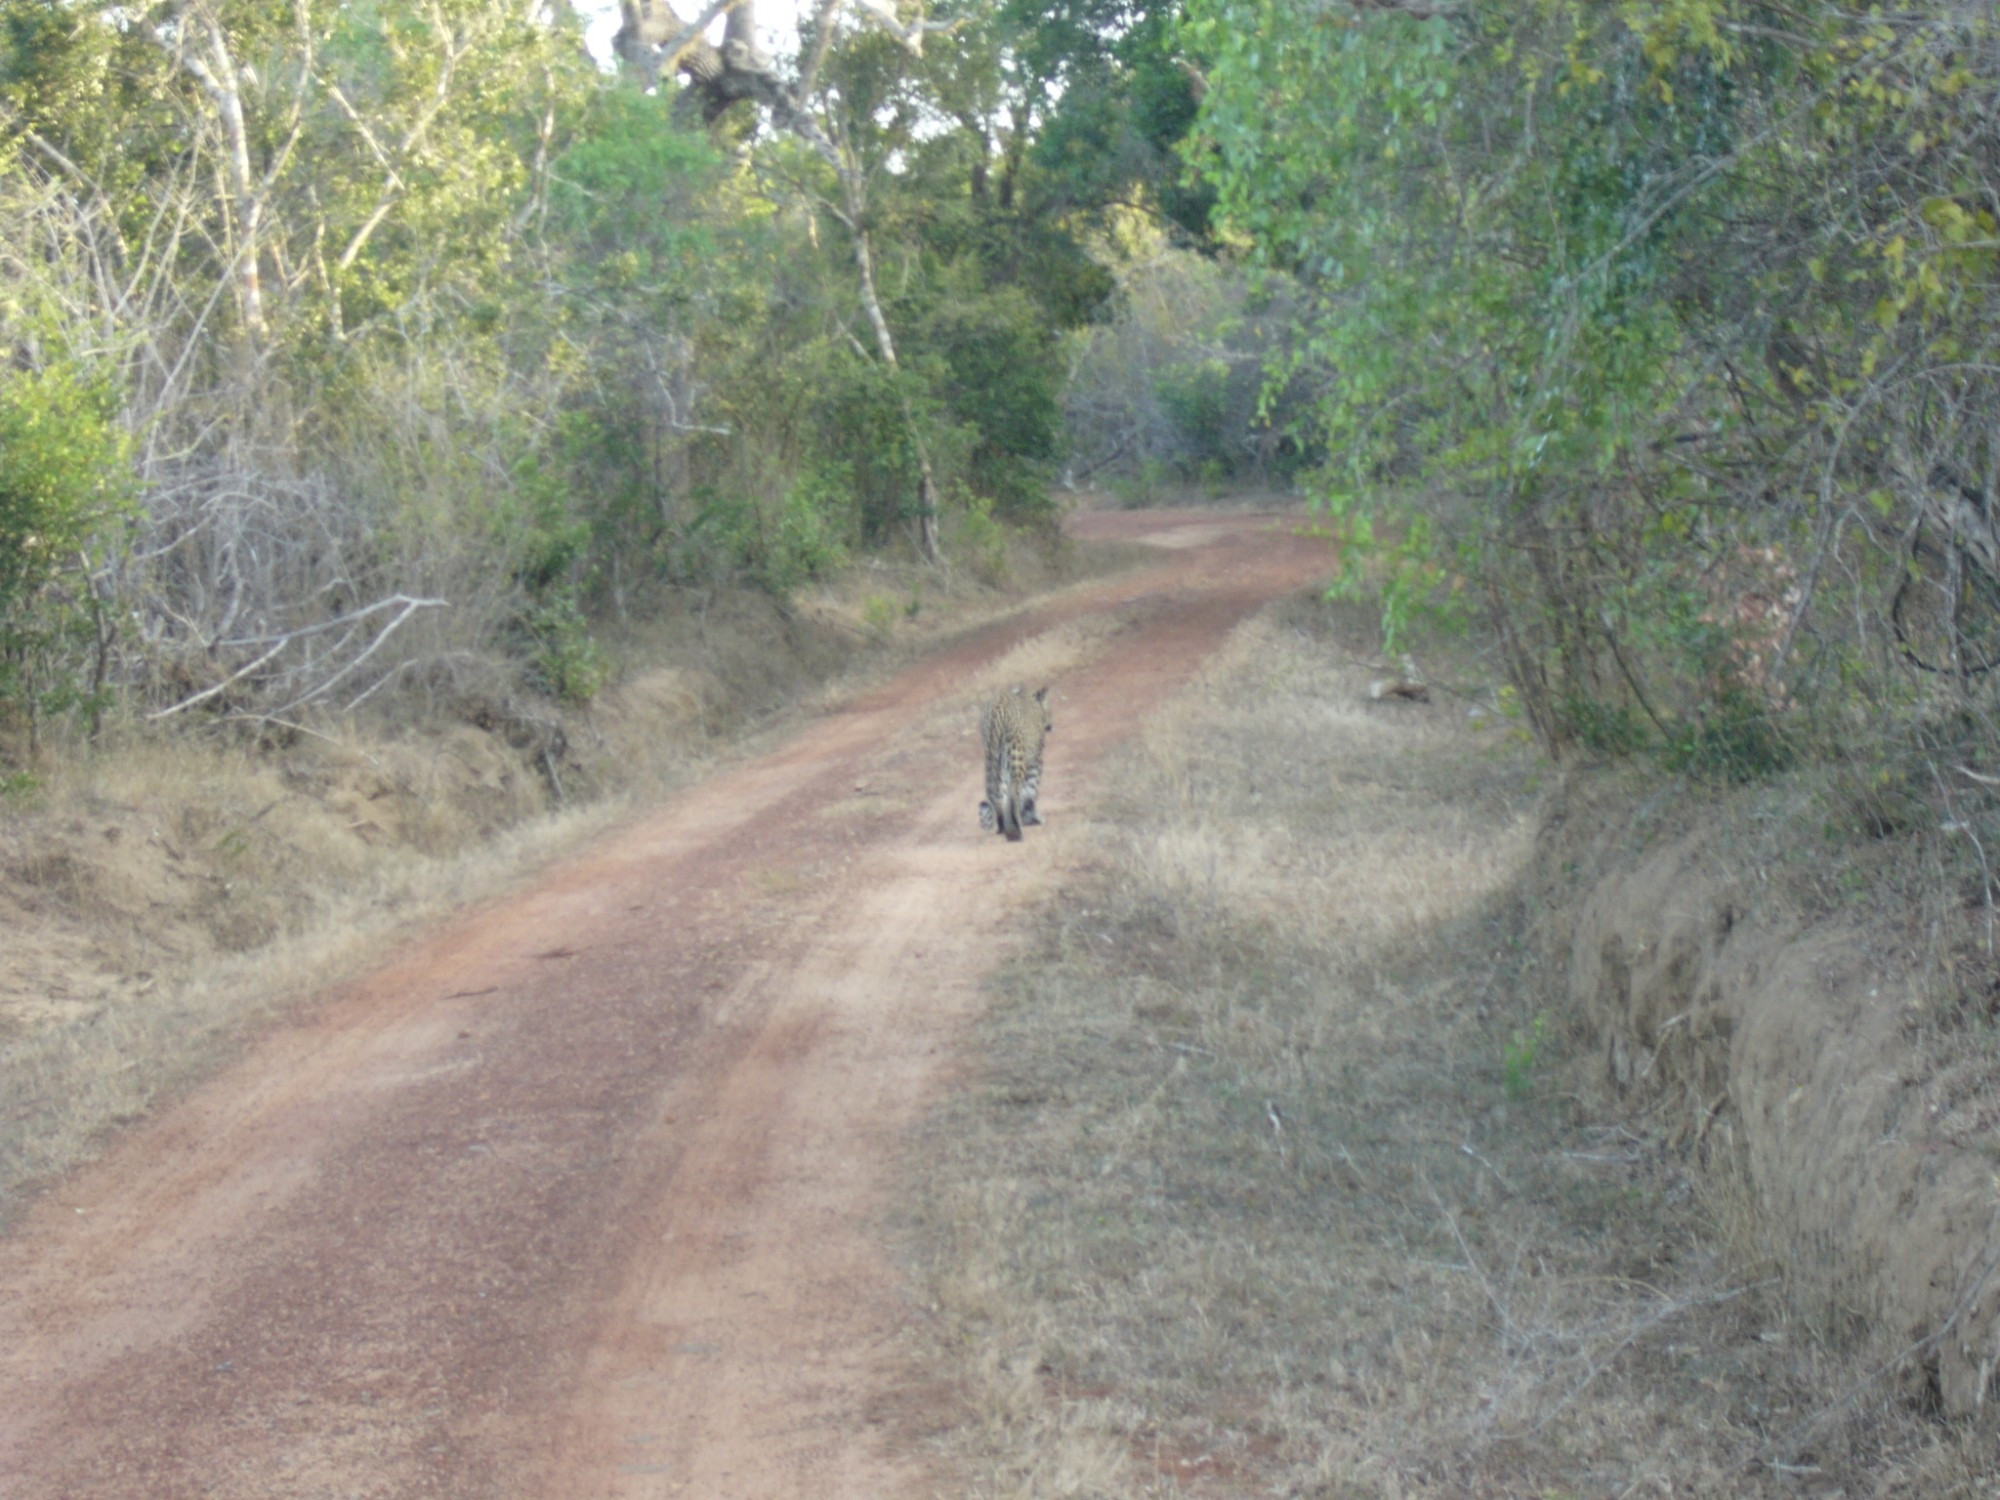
1118, 103
857, 420
1607, 728
563, 658
878, 615
806, 543
64, 473
1147, 485
1666, 332
65, 485
1736, 738
981, 540
479, 325
633, 203
1186, 373
1522, 1059
1002, 386
1196, 399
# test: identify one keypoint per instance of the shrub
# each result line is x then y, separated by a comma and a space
564, 659
65, 485
878, 615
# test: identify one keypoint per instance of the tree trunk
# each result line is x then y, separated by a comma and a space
654, 38
243, 207
885, 345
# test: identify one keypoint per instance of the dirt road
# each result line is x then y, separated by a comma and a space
577, 1197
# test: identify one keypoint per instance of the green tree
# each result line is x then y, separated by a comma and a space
1676, 314
65, 486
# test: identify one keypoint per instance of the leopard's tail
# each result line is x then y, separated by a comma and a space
1001, 812
1002, 819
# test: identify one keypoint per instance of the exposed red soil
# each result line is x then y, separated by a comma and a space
579, 1196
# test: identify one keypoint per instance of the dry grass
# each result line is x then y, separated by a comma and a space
162, 898
1269, 1182
1042, 660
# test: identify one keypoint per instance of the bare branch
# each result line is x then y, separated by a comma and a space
829, 12
238, 675
654, 38
911, 34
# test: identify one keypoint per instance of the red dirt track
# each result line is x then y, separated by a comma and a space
579, 1195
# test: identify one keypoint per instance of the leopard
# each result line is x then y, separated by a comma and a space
1014, 727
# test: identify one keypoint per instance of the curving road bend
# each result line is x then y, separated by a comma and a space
576, 1196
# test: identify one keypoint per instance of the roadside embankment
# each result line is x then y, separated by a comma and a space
164, 892
1830, 1061
1376, 1115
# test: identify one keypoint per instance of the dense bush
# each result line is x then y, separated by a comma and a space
65, 487
1189, 377
1662, 335
436, 343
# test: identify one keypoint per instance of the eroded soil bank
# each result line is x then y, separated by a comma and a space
1832, 1064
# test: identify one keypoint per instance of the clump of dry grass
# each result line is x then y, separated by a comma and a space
1043, 658
1269, 1183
